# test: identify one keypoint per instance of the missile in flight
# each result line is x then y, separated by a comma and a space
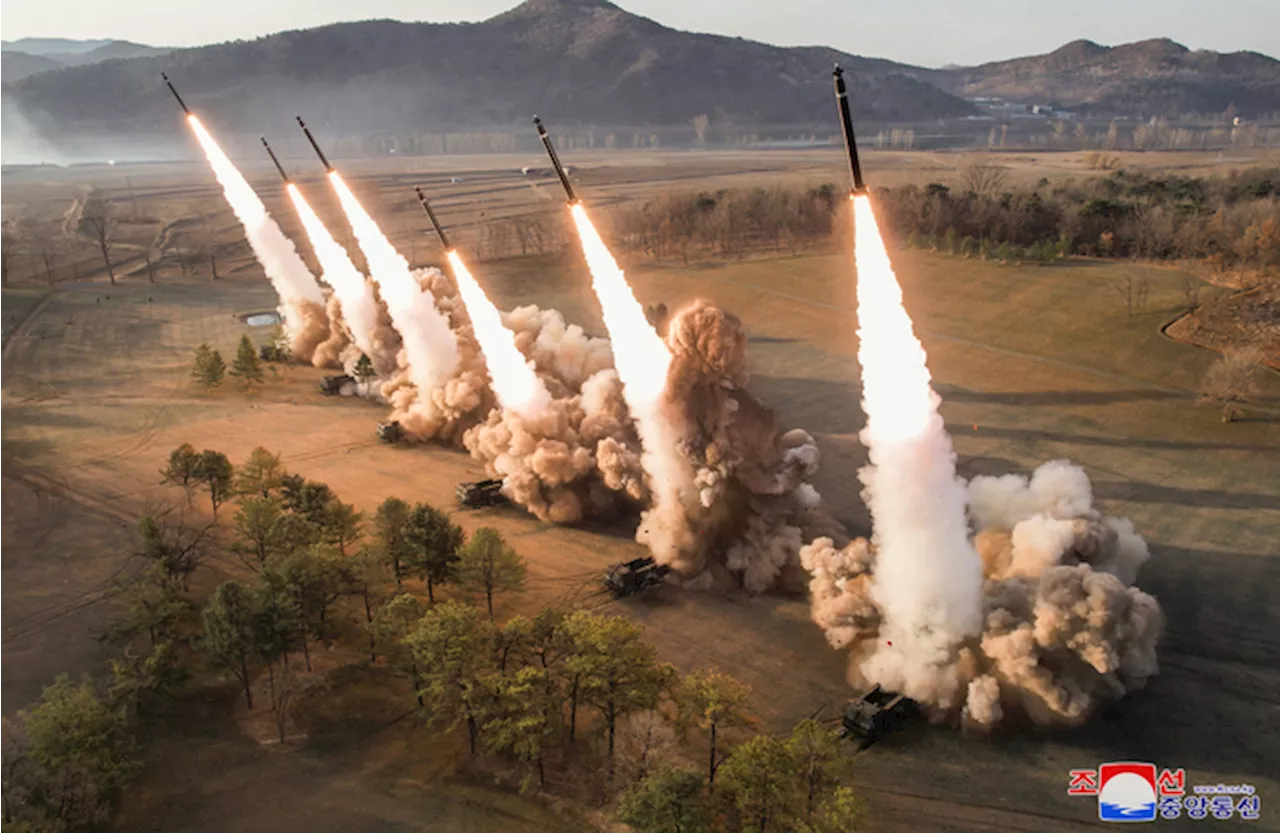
431, 215
555, 161
846, 124
169, 84
312, 139
279, 167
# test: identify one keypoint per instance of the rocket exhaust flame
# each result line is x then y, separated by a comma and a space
642, 361
429, 341
641, 356
355, 294
928, 578
300, 298
515, 383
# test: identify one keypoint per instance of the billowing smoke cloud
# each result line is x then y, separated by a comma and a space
1063, 627
579, 456
748, 496
301, 302
749, 508
433, 405
329, 353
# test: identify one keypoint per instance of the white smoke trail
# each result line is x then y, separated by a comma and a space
928, 578
430, 345
287, 272
515, 383
355, 294
642, 361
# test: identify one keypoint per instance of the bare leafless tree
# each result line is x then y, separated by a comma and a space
9, 237
50, 245
100, 221
1232, 381
284, 685
1134, 288
210, 245
1191, 287
985, 179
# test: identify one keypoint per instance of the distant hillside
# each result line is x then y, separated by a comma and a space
44, 54
575, 61
16, 65
1152, 77
51, 46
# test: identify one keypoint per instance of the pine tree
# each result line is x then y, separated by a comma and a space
208, 368
489, 564
246, 366
363, 370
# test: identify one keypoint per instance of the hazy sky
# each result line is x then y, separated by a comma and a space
926, 32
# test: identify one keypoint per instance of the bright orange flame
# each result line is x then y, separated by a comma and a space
897, 396
639, 354
514, 382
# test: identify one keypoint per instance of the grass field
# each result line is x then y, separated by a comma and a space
1033, 364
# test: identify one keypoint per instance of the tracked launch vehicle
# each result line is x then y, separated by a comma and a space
333, 385
481, 493
390, 432
634, 576
873, 715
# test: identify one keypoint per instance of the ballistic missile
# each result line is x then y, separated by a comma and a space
431, 215
279, 167
312, 139
555, 161
169, 84
846, 124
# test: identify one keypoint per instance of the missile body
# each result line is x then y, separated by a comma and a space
279, 167
312, 139
431, 215
169, 84
846, 124
555, 161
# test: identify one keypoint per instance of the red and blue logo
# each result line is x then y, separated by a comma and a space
1131, 791
1127, 791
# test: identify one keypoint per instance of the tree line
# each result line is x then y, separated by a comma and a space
1228, 222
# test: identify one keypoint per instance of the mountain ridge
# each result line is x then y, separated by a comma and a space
1152, 77
592, 63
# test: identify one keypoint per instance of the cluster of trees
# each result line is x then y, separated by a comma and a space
727, 222
208, 368
1230, 222
556, 691
1233, 222
66, 759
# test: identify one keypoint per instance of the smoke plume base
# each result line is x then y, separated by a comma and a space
1063, 629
